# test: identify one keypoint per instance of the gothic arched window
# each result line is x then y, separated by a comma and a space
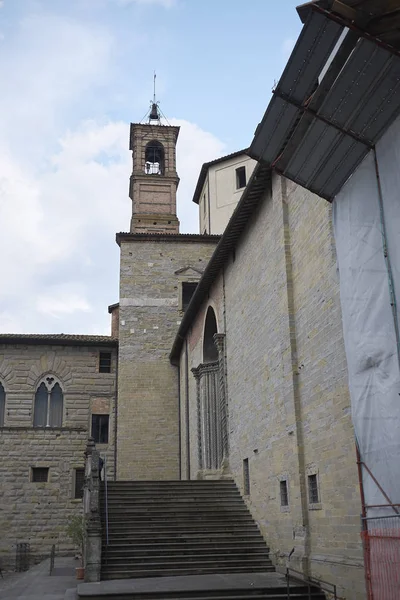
49, 398
154, 158
2, 404
210, 352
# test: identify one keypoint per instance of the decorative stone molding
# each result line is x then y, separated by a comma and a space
209, 429
219, 341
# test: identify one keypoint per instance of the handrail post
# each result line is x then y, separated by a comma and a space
288, 583
106, 495
92, 558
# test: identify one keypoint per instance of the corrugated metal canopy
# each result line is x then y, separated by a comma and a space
317, 133
377, 17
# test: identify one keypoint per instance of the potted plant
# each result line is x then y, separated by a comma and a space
76, 531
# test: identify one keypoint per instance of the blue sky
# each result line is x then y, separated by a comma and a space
73, 75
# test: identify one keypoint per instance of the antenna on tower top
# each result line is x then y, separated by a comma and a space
154, 89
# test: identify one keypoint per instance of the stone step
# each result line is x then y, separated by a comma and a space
210, 559
171, 482
234, 492
134, 538
160, 500
134, 521
200, 544
171, 507
188, 532
133, 553
230, 586
183, 515
182, 570
176, 512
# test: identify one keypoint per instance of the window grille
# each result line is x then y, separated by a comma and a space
100, 428
313, 491
284, 493
246, 477
79, 482
105, 362
40, 474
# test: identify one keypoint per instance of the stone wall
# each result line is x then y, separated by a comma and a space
32, 512
152, 271
288, 400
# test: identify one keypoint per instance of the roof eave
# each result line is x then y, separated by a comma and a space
43, 341
250, 199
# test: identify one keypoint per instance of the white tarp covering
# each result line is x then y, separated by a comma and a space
368, 321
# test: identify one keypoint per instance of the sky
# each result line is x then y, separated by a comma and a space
73, 75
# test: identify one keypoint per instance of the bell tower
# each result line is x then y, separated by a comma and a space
154, 179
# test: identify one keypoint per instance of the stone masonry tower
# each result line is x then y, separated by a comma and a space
158, 265
154, 179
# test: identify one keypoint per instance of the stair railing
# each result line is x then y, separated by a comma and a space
311, 582
106, 496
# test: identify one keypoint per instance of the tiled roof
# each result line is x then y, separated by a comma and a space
167, 237
58, 339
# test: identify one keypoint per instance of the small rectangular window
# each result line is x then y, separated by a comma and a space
100, 428
40, 474
240, 178
79, 482
105, 362
246, 477
284, 493
313, 492
188, 289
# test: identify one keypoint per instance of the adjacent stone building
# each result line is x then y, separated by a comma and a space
55, 391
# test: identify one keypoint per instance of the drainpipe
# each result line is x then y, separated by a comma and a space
116, 414
187, 421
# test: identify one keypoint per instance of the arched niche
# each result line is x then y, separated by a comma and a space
154, 158
210, 352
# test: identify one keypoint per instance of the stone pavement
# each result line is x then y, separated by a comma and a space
37, 584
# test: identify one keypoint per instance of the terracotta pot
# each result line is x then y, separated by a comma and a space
80, 573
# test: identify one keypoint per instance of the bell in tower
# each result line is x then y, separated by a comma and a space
154, 113
154, 179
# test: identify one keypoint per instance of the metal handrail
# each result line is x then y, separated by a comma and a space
310, 581
106, 495
52, 556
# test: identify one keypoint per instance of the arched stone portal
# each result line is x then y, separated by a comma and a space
211, 398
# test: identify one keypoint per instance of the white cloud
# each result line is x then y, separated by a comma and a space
64, 189
62, 300
50, 65
195, 146
59, 223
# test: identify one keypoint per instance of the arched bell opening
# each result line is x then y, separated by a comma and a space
154, 158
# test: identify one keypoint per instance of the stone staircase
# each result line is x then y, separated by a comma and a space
164, 528
186, 540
